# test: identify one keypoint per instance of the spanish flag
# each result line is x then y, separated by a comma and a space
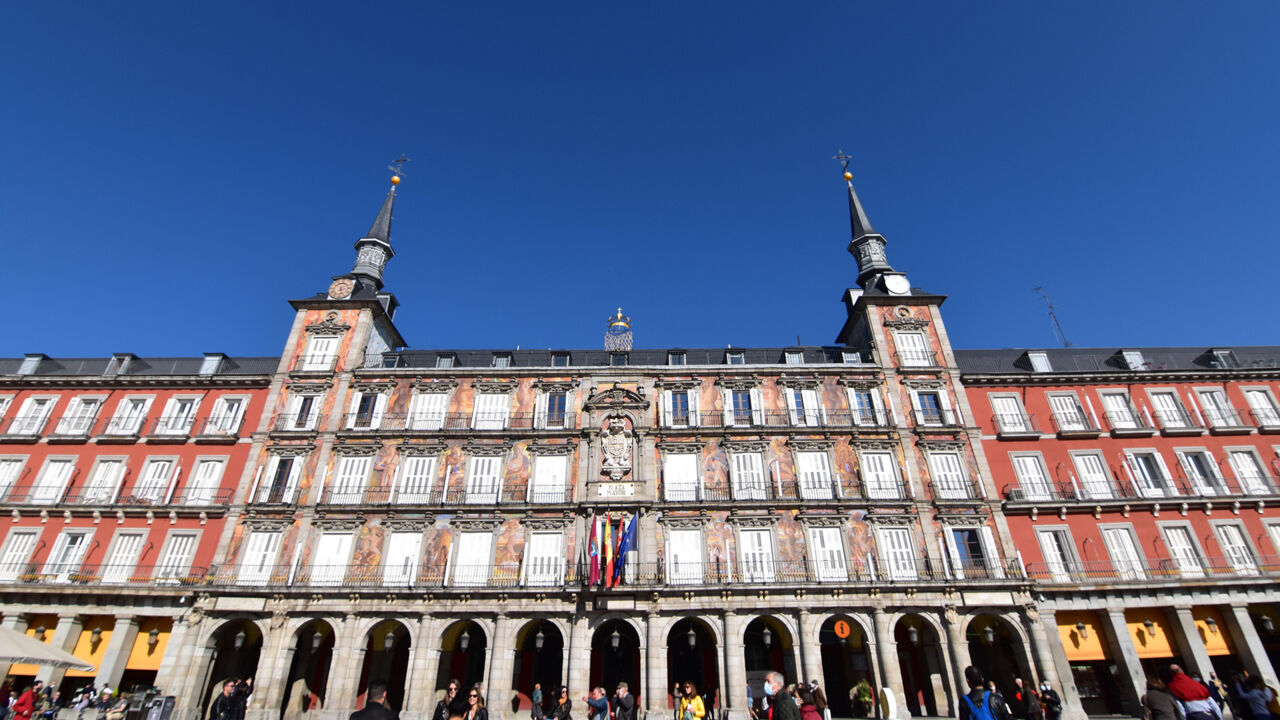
608, 550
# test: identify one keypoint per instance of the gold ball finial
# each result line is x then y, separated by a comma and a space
848, 176
395, 179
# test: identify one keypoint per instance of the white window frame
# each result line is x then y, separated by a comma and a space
357, 420
814, 477
679, 570
754, 397
1216, 405
1009, 420
829, 554
541, 411
349, 478
549, 479
946, 416
226, 417
1143, 483
1251, 483
1129, 418
991, 564
1262, 404
808, 410
121, 558
12, 468
33, 415
172, 567
747, 475
1126, 567
105, 478
1093, 487
1169, 409
1242, 555
156, 478
873, 416
669, 418
319, 357
472, 574
15, 556
205, 479
1025, 466
130, 415
880, 483
913, 348
257, 570
51, 484
484, 479
416, 489
950, 474
1077, 420
1134, 360
1188, 560
1273, 532
897, 552
403, 573
1039, 361
80, 416
684, 489
544, 569
494, 417
445, 361
263, 494
331, 558
178, 425
428, 410
62, 562
757, 563
1212, 485
793, 357
296, 418
1065, 561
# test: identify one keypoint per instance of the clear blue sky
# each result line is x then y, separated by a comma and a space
173, 173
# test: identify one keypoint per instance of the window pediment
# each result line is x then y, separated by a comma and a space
743, 446
803, 444
677, 383
795, 381
494, 386
361, 449
487, 450
423, 386
552, 448
422, 449
329, 326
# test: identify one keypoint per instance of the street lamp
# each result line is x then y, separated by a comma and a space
1213, 625
1150, 626
239, 639
388, 641
317, 640
615, 638
767, 635
1083, 630
990, 633
913, 635
539, 639
464, 641
1268, 626
153, 638
693, 637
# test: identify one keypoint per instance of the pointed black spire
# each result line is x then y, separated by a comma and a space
381, 228
374, 249
866, 245
857, 216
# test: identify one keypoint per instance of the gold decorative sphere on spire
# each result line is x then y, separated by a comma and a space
848, 176
395, 179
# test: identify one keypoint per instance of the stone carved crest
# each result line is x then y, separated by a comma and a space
329, 326
615, 446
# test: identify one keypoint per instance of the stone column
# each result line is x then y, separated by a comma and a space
1057, 654
578, 680
348, 655
810, 651
65, 636
274, 660
1184, 624
184, 675
1249, 645
959, 646
17, 623
735, 663
890, 670
501, 666
1045, 667
1124, 654
116, 656
722, 664
424, 658
655, 668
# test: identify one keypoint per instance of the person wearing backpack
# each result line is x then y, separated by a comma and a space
980, 703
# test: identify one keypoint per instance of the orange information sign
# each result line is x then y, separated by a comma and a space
842, 629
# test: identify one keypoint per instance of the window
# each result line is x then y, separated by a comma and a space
52, 482
550, 479
747, 473
973, 552
756, 556
179, 415
226, 416
913, 349
931, 408
793, 357
680, 477
502, 361
850, 357
491, 410
1182, 548
400, 563
1150, 475
79, 417
1009, 415
1248, 471
1202, 471
617, 359
122, 557
349, 477
551, 409
66, 555
1236, 549
258, 559
879, 475
896, 553
544, 559
735, 358
1059, 552
154, 481
805, 407
950, 478
302, 413
204, 482
280, 481
1169, 410
814, 470
483, 479
444, 361
210, 364
676, 358
331, 554
1119, 410
130, 413
175, 561
680, 407
1126, 559
17, 551
10, 471
1040, 361
559, 359
427, 411
1032, 477
320, 354
828, 554
1273, 530
1068, 414
743, 406
1094, 478
366, 411
32, 416
866, 408
417, 475
684, 556
1134, 361
104, 481
1217, 410
475, 555
1263, 407
4, 404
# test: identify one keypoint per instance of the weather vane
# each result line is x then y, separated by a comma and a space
395, 168
844, 163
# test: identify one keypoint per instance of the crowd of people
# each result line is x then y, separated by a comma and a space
38, 701
1189, 697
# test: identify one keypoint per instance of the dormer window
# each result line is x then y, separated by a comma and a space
1134, 361
560, 359
1225, 359
119, 364
211, 363
676, 357
444, 361
793, 357
502, 361
735, 358
617, 359
1040, 361
850, 357
30, 364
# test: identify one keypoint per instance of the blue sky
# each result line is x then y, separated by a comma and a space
173, 173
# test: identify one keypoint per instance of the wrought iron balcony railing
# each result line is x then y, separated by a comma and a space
1267, 419
219, 426
1161, 571
104, 575
175, 427
1013, 425
23, 426
1075, 422
790, 489
40, 495
1159, 488
1128, 421
483, 494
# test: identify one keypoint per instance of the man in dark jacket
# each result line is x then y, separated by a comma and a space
224, 706
978, 694
624, 703
784, 706
375, 705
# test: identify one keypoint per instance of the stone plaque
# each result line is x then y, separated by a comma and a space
616, 490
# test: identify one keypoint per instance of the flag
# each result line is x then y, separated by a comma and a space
593, 555
625, 545
608, 551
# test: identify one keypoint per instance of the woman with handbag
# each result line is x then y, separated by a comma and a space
691, 705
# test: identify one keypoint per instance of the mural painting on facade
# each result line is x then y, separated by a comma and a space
436, 549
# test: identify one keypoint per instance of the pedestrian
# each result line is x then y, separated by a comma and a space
1159, 702
25, 706
536, 698
808, 709
375, 705
691, 705
1194, 696
819, 697
1216, 690
563, 704
624, 703
1256, 696
475, 706
597, 704
243, 690
448, 706
1026, 706
1050, 701
223, 706
784, 706
982, 703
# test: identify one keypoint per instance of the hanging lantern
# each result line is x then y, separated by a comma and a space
615, 639
990, 633
1150, 626
464, 641
239, 639
913, 635
1213, 625
388, 641
317, 640
539, 639
693, 637
153, 638
1268, 626
95, 636
767, 636
1083, 630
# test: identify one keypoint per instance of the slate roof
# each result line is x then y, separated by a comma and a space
813, 355
1102, 360
140, 366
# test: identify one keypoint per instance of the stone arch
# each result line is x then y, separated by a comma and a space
230, 655
624, 662
769, 642
922, 661
848, 663
545, 665
310, 654
386, 647
698, 661
998, 646
461, 659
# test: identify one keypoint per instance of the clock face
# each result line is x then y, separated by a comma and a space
341, 288
897, 284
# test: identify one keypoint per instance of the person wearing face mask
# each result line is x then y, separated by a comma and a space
1050, 701
783, 706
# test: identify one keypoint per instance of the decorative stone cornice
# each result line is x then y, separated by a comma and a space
349, 524
303, 387
744, 446
861, 383
420, 449
434, 385
372, 386
677, 383
266, 524
477, 523
494, 386
738, 383
357, 449
977, 518
404, 525
616, 398
799, 381
860, 444
545, 523
803, 444
906, 323
934, 445
553, 386
681, 446
683, 521
290, 450
835, 521
552, 448
487, 450
918, 384
329, 326
754, 521
885, 518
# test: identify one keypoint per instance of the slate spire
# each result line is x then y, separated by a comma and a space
866, 245
374, 249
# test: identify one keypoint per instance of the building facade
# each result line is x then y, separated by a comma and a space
1140, 485
384, 514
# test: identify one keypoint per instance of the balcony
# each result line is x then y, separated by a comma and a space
917, 359
72, 430
125, 577
23, 428
1177, 422
44, 495
170, 429
225, 428
1128, 423
1165, 570
1160, 488
297, 422
509, 494
357, 423
317, 364
957, 491
936, 418
1267, 420
120, 429
1015, 426
792, 489
1074, 425
1226, 422
843, 419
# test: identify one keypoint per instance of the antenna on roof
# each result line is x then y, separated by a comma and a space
1053, 316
